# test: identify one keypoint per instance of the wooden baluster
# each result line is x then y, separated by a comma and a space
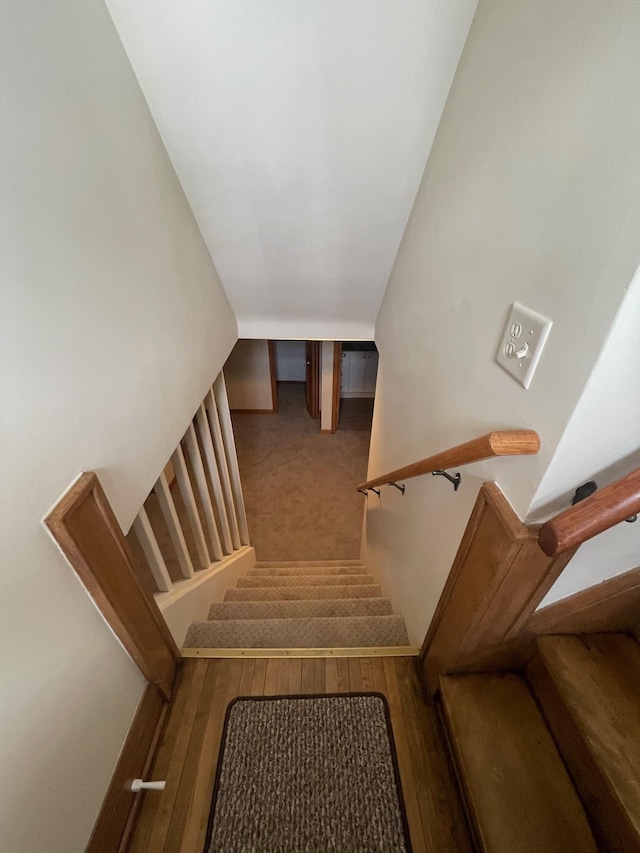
189, 499
203, 489
226, 426
144, 532
214, 476
168, 508
223, 468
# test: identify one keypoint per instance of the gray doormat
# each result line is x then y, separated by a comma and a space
304, 774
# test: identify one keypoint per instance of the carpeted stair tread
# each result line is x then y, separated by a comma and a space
303, 571
322, 632
309, 580
300, 608
277, 564
294, 593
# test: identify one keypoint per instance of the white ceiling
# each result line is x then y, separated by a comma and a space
299, 130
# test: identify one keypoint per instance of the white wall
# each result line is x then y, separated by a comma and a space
611, 553
113, 325
604, 428
531, 193
602, 443
247, 374
291, 361
299, 131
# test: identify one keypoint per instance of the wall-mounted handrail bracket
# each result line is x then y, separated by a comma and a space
455, 480
399, 488
365, 492
584, 491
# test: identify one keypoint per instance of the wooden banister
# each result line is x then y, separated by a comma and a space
595, 514
517, 442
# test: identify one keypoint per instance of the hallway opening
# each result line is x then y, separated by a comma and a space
299, 463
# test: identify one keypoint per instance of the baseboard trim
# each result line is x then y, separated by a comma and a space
115, 821
361, 652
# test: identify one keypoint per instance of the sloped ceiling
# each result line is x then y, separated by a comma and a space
299, 130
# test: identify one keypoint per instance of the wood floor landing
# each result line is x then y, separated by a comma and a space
175, 820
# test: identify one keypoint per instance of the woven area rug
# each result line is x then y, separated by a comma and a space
308, 774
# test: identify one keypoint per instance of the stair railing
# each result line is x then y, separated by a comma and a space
520, 442
619, 501
194, 516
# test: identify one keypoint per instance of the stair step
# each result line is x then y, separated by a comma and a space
298, 563
309, 580
302, 571
301, 608
588, 688
323, 632
294, 593
519, 793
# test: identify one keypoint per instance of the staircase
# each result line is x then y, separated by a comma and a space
299, 605
550, 759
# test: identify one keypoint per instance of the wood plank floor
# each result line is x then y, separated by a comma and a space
175, 820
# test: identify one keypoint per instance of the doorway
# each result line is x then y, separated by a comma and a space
297, 363
339, 379
358, 377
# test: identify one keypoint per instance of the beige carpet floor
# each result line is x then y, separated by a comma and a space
299, 485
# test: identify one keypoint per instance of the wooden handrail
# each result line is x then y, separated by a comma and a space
518, 442
595, 514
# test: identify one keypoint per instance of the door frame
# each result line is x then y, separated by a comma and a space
273, 371
313, 378
337, 380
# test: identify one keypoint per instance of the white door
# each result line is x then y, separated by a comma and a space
370, 372
344, 373
356, 371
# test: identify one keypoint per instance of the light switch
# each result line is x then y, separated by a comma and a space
522, 343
